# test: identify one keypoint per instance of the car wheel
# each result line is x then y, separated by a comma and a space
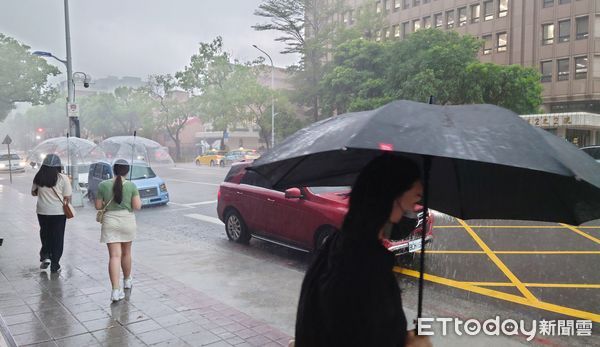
212, 163
322, 235
197, 162
91, 197
236, 228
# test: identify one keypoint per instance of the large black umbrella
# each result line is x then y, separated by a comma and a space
479, 161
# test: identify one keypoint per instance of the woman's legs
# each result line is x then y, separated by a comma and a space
126, 259
44, 237
57, 240
114, 263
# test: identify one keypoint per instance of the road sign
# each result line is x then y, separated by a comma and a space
7, 140
73, 110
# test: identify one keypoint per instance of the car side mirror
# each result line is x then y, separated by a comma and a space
106, 176
293, 193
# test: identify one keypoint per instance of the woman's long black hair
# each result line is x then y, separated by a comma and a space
120, 168
383, 180
47, 176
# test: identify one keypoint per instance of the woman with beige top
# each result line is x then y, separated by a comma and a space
120, 197
52, 189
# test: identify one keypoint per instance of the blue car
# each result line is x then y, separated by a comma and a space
152, 188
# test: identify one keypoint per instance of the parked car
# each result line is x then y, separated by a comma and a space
152, 188
299, 217
15, 164
240, 155
211, 158
593, 151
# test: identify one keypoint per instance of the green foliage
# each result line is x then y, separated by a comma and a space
514, 87
365, 75
23, 76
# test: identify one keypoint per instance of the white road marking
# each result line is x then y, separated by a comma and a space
204, 218
191, 205
193, 182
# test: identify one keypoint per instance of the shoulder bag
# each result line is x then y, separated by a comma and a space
67, 207
100, 213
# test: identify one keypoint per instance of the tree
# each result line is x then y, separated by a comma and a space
23, 76
365, 74
118, 113
307, 28
514, 87
174, 110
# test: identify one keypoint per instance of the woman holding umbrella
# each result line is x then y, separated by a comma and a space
350, 296
119, 198
52, 189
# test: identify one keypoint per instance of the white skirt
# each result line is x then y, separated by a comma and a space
118, 226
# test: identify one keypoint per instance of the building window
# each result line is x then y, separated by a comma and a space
378, 7
581, 67
450, 19
564, 30
502, 8
581, 28
387, 5
397, 31
475, 13
427, 22
405, 4
351, 16
405, 29
416, 25
439, 20
560, 2
487, 44
563, 69
488, 10
416, 3
596, 70
397, 4
388, 33
378, 35
547, 3
462, 16
546, 70
501, 42
547, 34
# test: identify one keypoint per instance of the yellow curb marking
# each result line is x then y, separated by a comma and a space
587, 236
511, 227
536, 285
503, 296
511, 252
530, 297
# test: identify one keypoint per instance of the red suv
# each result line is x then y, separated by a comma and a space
300, 218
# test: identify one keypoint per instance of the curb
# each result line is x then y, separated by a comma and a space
6, 338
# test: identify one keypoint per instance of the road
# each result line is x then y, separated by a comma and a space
475, 269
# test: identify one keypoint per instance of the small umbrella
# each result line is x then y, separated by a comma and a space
72, 151
479, 161
139, 149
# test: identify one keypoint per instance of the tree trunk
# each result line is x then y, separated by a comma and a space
177, 147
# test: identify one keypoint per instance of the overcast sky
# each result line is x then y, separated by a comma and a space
137, 37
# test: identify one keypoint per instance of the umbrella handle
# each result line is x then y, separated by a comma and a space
426, 171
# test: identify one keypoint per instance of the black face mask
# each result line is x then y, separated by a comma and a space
404, 227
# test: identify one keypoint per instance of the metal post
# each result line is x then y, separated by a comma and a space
73, 121
272, 96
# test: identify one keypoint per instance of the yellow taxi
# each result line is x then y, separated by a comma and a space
211, 158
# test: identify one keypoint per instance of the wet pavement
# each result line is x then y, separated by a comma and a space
73, 308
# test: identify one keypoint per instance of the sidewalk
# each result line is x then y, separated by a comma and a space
73, 308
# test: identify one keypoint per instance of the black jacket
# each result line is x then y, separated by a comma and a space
350, 297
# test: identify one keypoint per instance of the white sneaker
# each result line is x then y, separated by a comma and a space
127, 283
117, 294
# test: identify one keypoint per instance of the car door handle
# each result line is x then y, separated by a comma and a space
270, 200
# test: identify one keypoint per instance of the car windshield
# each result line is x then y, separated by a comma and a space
12, 157
324, 190
142, 172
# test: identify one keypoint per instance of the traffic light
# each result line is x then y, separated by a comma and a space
40, 130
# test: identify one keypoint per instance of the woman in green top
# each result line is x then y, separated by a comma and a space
120, 197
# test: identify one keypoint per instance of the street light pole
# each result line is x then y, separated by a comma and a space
272, 96
73, 121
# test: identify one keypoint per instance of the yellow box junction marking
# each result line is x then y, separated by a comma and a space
587, 236
530, 297
503, 296
512, 252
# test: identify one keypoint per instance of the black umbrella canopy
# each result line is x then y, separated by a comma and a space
486, 162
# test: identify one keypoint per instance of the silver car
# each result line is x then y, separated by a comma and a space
15, 164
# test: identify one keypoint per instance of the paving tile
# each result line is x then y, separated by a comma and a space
185, 329
91, 315
258, 340
27, 327
155, 336
172, 343
32, 337
143, 326
111, 333
83, 340
219, 344
172, 319
14, 310
19, 318
65, 331
201, 338
100, 324
43, 344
